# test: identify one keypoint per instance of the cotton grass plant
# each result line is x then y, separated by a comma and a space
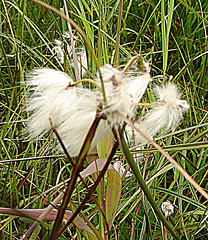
165, 114
72, 109
99, 116
82, 113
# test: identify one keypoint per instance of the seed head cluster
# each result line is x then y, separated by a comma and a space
165, 114
73, 109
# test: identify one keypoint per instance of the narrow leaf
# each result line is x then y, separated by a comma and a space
35, 213
113, 194
94, 167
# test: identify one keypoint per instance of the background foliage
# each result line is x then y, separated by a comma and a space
27, 34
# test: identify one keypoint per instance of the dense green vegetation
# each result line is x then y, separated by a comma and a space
172, 37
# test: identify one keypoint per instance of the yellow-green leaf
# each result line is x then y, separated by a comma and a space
113, 194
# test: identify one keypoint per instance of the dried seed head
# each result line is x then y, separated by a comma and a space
165, 114
118, 166
72, 110
167, 208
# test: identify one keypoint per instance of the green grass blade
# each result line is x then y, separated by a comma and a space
144, 187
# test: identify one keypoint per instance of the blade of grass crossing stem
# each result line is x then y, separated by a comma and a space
144, 187
76, 170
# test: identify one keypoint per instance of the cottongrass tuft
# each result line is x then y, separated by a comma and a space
118, 166
72, 109
165, 114
137, 85
48, 99
118, 98
167, 208
81, 54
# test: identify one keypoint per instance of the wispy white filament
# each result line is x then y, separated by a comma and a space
49, 99
81, 55
58, 50
73, 109
165, 114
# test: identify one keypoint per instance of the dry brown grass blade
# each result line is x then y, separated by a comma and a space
180, 169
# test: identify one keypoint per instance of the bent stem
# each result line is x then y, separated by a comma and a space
144, 187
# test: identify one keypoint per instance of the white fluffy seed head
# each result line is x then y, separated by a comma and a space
72, 110
48, 90
169, 105
45, 79
74, 129
165, 114
122, 92
167, 208
137, 85
116, 92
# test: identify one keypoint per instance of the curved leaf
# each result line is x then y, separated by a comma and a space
94, 167
35, 213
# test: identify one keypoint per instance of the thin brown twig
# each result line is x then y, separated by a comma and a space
81, 178
92, 189
75, 173
76, 69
